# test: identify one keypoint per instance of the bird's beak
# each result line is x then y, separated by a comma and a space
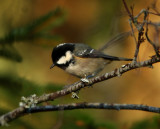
52, 66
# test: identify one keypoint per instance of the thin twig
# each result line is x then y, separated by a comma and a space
158, 14
138, 26
151, 42
153, 6
140, 40
127, 9
130, 23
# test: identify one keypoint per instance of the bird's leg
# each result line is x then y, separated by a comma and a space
75, 95
86, 78
90, 76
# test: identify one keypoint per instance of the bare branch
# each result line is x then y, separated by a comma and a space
77, 86
151, 42
79, 106
158, 14
127, 9
140, 40
130, 23
153, 6
139, 26
93, 106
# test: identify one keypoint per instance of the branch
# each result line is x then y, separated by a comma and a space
139, 26
93, 106
20, 111
127, 9
79, 85
156, 48
73, 106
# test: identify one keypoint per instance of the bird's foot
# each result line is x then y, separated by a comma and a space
74, 95
85, 80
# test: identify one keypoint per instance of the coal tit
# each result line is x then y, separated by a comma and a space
81, 60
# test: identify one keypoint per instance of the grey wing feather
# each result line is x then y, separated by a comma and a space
81, 50
85, 51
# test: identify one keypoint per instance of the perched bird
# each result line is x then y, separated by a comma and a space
81, 60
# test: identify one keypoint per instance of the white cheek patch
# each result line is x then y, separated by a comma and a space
66, 58
62, 60
68, 55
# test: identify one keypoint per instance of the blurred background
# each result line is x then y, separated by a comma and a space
29, 29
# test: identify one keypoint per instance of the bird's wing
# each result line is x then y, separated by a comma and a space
88, 52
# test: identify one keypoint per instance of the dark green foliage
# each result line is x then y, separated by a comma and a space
10, 54
13, 87
28, 32
152, 123
21, 86
16, 87
78, 120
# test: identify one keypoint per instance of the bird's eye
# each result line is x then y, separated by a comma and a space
72, 61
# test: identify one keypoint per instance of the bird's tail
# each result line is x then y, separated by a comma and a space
116, 58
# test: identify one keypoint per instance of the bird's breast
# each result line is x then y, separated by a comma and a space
86, 66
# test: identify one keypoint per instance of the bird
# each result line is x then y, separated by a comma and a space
81, 60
